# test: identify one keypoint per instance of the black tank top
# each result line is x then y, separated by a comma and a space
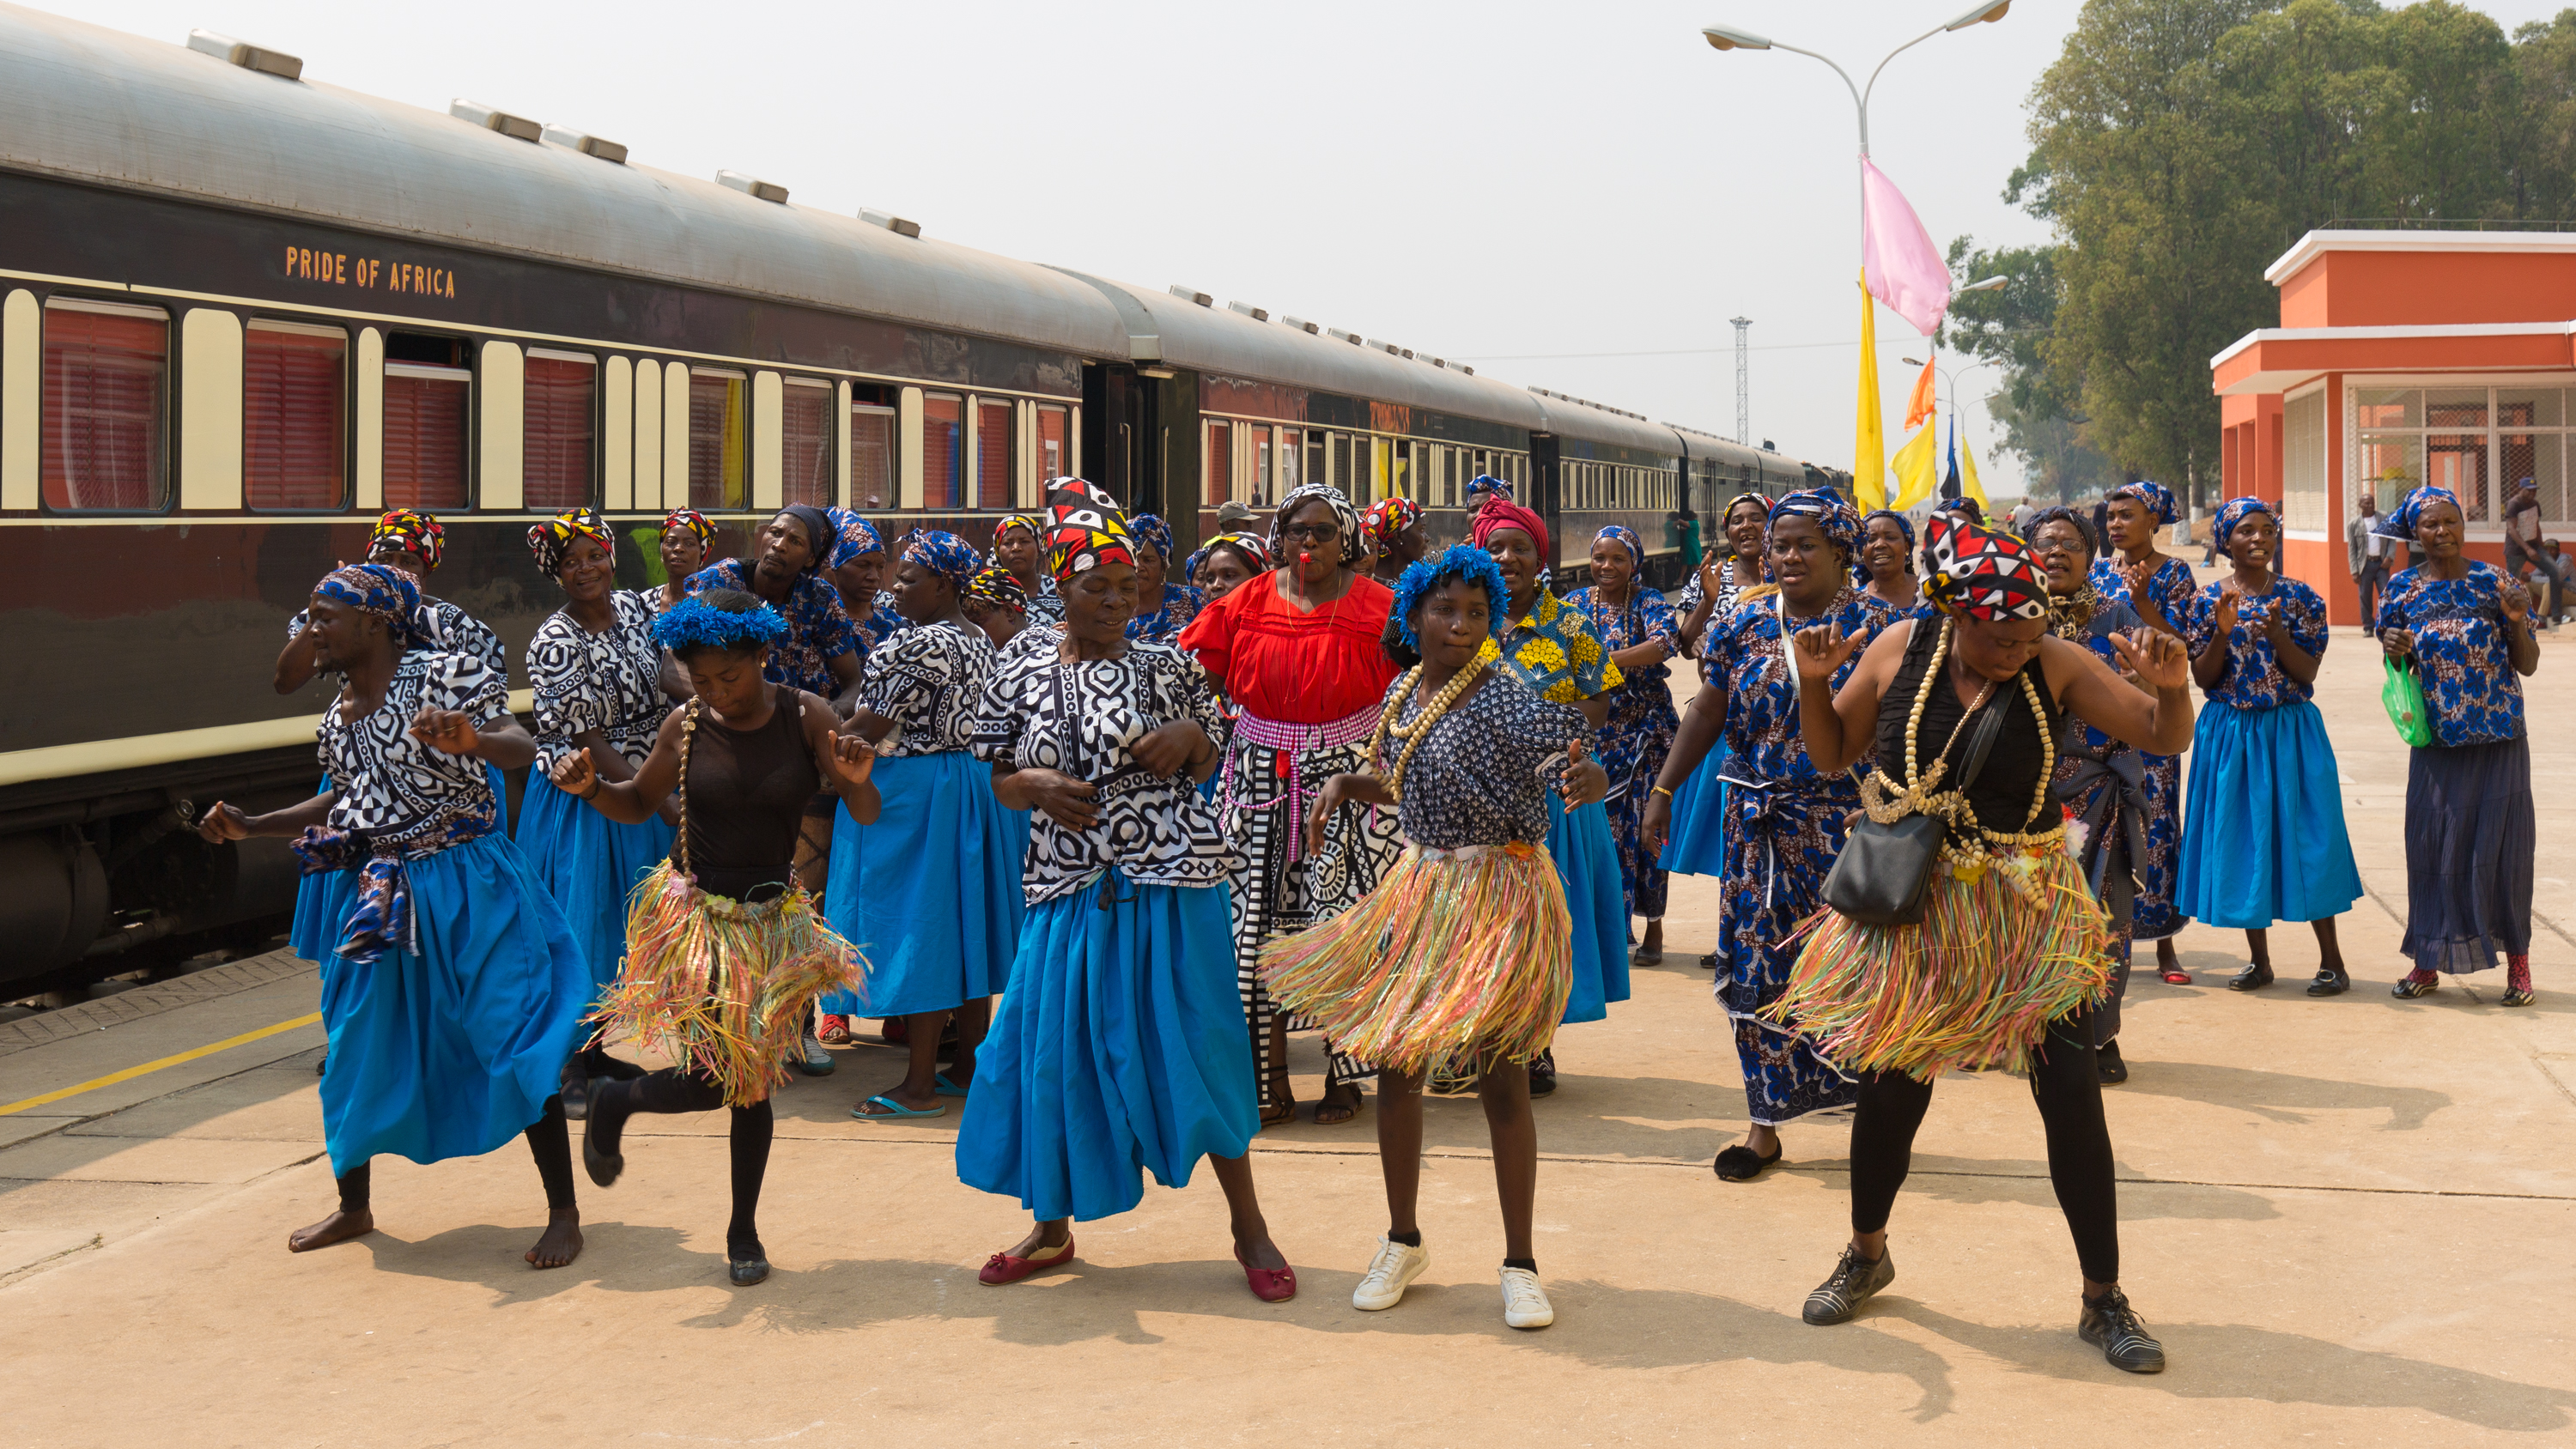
747, 791
2001, 796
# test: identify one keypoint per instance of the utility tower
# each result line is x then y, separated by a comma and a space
1743, 392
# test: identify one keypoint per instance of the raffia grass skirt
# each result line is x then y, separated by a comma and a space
2001, 952
1456, 955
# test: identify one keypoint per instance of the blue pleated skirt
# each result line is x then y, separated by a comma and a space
453, 1051
2263, 837
589, 864
1694, 846
1118, 1050
930, 891
316, 928
1587, 861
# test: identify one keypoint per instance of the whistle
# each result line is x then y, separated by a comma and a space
1305, 558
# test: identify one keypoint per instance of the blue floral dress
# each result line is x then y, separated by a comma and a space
1639, 732
2171, 590
818, 628
1554, 653
1782, 825
1180, 604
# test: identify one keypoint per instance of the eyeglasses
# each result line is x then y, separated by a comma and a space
1311, 532
2045, 546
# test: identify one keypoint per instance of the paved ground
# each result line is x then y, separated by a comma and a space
2350, 1220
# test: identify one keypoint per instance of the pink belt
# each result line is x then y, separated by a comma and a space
1293, 742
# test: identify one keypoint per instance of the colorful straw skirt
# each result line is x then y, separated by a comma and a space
591, 865
931, 889
1587, 862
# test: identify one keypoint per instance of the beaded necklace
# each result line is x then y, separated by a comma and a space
1971, 843
1415, 733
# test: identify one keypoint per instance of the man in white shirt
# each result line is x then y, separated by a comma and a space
2369, 558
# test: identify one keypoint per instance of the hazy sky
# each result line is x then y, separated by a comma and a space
1508, 183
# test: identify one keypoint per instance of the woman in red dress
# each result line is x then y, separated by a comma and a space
1298, 653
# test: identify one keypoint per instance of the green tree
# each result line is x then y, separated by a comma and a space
2041, 417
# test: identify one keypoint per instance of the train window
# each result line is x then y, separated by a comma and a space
1261, 455
943, 455
719, 439
872, 456
294, 415
1220, 462
105, 401
1292, 462
1316, 464
805, 442
1052, 458
1341, 476
425, 412
994, 427
559, 427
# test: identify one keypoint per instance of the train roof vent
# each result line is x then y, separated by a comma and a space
1300, 323
1257, 314
1192, 294
753, 187
1339, 335
1471, 372
1435, 362
587, 144
492, 118
246, 55
890, 222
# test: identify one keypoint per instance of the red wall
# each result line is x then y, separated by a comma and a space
2428, 289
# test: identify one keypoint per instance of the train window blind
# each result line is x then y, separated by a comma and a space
943, 458
872, 457
294, 415
559, 429
1053, 457
993, 475
105, 407
1292, 459
1220, 462
425, 435
719, 439
805, 437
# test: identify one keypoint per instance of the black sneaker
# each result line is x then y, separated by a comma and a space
1854, 1280
2108, 1062
2112, 1326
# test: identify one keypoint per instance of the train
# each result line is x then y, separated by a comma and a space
243, 311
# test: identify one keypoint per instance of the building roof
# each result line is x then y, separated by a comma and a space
2317, 243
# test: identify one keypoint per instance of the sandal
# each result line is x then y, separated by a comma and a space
835, 1030
1739, 1164
1349, 1107
893, 1109
940, 1084
1283, 1110
2176, 977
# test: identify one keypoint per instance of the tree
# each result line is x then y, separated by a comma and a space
2042, 418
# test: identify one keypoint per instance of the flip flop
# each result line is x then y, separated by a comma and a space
893, 1109
944, 1087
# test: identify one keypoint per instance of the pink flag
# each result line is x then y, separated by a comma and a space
1904, 269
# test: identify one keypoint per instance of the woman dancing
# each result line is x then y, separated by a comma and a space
725, 953
1460, 953
1783, 815
1120, 1048
1634, 623
1724, 581
2159, 586
452, 991
1721, 579
1172, 606
2011, 951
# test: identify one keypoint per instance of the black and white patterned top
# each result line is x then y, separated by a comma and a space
391, 784
610, 681
1046, 602
443, 628
1041, 713
650, 596
1482, 776
929, 679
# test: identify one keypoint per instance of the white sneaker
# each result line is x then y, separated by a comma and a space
1389, 1273
1525, 1304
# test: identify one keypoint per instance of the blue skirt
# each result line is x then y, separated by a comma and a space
1587, 861
1119, 1050
2470, 846
589, 864
2263, 837
931, 891
316, 929
453, 1051
1694, 845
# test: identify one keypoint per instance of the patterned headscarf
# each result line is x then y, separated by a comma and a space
2233, 512
1748, 496
1904, 530
1256, 554
1151, 528
377, 589
1457, 561
946, 555
2399, 522
412, 531
2154, 497
1345, 517
552, 539
1501, 513
853, 537
1977, 573
994, 587
1833, 518
1037, 530
692, 520
1484, 486
1389, 517
1625, 537
1084, 530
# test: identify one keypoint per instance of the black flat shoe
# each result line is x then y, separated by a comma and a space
2330, 983
2107, 1061
1542, 1073
1739, 1164
576, 1097
2252, 978
745, 1271
2112, 1326
1708, 962
603, 1165
2407, 988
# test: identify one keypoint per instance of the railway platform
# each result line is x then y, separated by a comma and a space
2348, 1219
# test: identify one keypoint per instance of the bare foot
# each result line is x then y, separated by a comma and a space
1257, 1250
562, 1242
339, 1227
1341, 1102
922, 1103
1044, 1240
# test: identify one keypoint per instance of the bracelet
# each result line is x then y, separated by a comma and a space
1660, 790
596, 785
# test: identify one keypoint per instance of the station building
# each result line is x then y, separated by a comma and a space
2402, 358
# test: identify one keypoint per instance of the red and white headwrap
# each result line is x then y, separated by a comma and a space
1976, 573
1085, 529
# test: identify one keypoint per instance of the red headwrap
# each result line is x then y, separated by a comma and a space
1501, 512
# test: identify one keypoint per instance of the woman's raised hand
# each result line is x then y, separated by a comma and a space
849, 760
573, 773
1822, 650
2157, 658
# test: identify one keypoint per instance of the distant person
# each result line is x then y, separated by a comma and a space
2159, 586
2561, 568
1887, 561
2522, 528
2367, 555
1681, 535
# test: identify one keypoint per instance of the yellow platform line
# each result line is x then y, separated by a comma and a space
190, 1055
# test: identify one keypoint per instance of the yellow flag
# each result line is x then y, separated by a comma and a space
1918, 467
1869, 444
1968, 483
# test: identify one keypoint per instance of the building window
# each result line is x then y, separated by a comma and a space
1220, 463
105, 401
1054, 457
2303, 462
943, 455
2478, 442
719, 439
994, 425
805, 441
872, 458
425, 413
558, 428
294, 415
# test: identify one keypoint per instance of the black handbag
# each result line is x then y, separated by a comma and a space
1881, 875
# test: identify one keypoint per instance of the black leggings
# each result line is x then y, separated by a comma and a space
2065, 1082
673, 1090
549, 1142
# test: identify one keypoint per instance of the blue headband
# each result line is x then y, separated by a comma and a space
1457, 561
693, 623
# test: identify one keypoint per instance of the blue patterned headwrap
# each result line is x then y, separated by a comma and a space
1626, 538
2154, 497
1834, 518
946, 555
1151, 528
1457, 561
1484, 484
2399, 522
853, 537
1904, 527
693, 623
379, 590
2233, 512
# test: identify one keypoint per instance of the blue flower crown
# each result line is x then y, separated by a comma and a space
1457, 561
693, 623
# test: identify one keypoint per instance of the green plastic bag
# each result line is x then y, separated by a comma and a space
2403, 697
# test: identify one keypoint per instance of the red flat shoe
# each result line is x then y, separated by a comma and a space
1270, 1285
1002, 1268
2177, 977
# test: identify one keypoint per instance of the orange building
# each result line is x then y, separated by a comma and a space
2404, 357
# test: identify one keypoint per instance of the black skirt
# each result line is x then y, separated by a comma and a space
2469, 849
